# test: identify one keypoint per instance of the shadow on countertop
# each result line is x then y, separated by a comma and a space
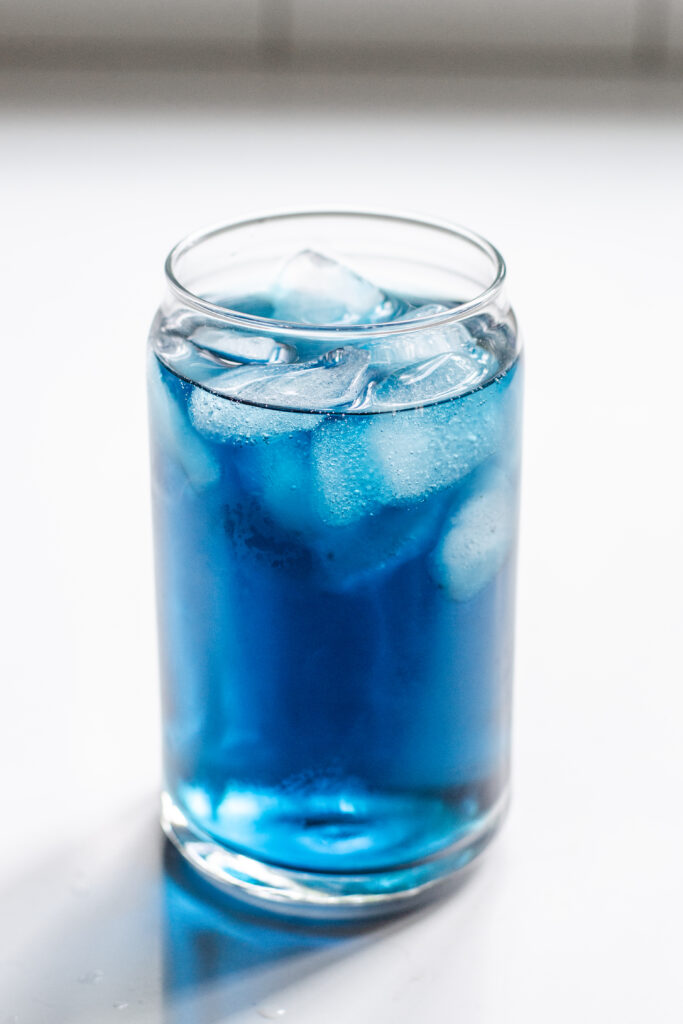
121, 923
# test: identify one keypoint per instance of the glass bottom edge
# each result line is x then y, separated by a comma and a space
326, 896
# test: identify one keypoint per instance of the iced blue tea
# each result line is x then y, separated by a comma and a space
335, 431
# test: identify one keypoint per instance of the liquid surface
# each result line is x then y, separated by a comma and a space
336, 590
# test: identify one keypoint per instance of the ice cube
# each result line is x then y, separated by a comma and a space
313, 289
364, 461
178, 324
385, 539
418, 451
335, 380
497, 336
223, 419
174, 436
210, 337
279, 475
310, 481
477, 539
242, 346
423, 343
348, 486
442, 376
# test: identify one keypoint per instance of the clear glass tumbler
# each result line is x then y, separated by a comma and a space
335, 432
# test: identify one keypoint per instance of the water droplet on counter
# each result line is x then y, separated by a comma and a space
270, 1012
91, 977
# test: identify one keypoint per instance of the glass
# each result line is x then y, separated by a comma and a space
335, 495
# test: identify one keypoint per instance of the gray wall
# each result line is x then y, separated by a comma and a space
315, 32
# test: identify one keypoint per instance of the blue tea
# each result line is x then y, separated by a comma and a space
335, 530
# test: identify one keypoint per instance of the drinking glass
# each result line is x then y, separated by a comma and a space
335, 501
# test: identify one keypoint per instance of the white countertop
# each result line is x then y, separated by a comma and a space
576, 913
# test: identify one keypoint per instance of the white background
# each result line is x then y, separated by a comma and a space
576, 914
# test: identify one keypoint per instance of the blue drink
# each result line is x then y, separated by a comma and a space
335, 531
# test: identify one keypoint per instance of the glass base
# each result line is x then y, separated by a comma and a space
324, 895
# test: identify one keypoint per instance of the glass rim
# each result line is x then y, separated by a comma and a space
248, 321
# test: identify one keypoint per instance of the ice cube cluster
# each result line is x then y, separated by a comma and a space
414, 364
359, 433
